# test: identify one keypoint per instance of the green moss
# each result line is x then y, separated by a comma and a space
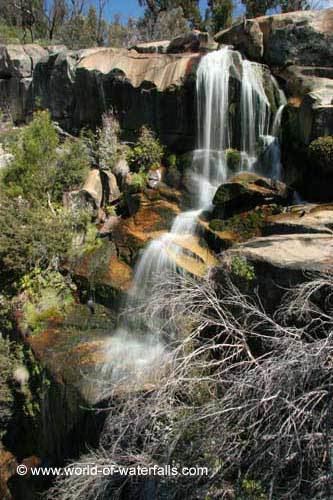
217, 225
233, 159
252, 490
228, 192
241, 268
320, 152
171, 161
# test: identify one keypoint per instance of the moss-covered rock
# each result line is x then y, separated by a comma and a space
233, 159
320, 152
245, 191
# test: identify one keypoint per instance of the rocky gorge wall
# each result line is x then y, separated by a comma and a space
154, 84
298, 48
153, 89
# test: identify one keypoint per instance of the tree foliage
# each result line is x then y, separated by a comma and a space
220, 14
147, 152
42, 170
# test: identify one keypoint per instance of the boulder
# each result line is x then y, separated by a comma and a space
245, 191
152, 47
154, 177
307, 129
93, 187
8, 464
189, 42
301, 219
282, 261
121, 171
20, 60
109, 226
303, 38
246, 37
5, 158
150, 213
111, 192
109, 274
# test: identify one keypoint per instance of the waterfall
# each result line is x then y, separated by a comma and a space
271, 157
212, 87
277, 121
138, 349
255, 109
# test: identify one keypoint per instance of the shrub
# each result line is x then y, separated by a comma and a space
32, 170
138, 182
49, 296
40, 169
72, 168
109, 147
321, 153
233, 159
173, 176
147, 152
171, 161
32, 236
241, 268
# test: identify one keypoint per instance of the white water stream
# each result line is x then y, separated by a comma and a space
130, 349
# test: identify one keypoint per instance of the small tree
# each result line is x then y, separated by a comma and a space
34, 161
220, 14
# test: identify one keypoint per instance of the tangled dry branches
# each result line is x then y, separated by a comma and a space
248, 395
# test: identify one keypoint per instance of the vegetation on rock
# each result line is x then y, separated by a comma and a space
321, 153
147, 153
242, 269
42, 170
48, 296
233, 158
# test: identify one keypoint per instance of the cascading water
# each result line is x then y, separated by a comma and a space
255, 111
132, 352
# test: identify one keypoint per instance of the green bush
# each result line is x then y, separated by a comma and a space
321, 153
49, 296
171, 161
233, 159
138, 182
32, 170
32, 236
41, 170
147, 152
217, 225
72, 168
173, 176
241, 268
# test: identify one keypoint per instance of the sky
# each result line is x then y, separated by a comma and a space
131, 8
